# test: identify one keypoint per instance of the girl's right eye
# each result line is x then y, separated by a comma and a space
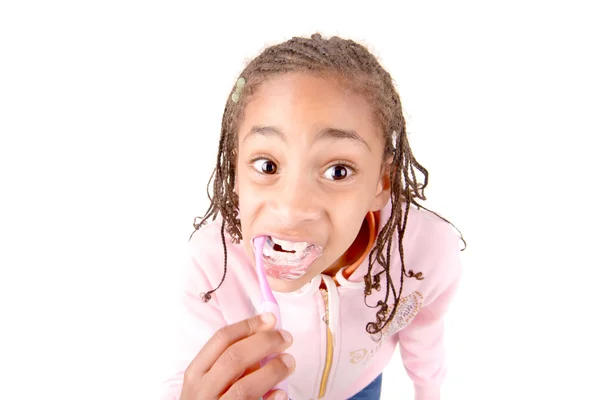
265, 166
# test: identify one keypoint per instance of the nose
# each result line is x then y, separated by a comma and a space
296, 202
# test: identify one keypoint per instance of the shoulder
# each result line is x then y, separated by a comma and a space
209, 249
425, 233
428, 232
206, 244
431, 248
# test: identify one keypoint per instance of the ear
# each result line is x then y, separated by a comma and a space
383, 193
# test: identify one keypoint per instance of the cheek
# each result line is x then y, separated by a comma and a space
347, 218
248, 192
249, 199
346, 204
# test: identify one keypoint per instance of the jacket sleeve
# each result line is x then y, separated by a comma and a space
421, 343
196, 323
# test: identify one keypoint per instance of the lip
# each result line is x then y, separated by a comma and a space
289, 271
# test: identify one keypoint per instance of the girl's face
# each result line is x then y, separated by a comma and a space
309, 168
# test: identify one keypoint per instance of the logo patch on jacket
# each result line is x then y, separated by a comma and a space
408, 308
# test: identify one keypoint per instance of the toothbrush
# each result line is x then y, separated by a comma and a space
268, 302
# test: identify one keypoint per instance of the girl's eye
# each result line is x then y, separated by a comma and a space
265, 166
338, 172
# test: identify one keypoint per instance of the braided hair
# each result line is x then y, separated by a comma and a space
362, 72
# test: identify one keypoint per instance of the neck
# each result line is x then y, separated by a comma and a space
354, 253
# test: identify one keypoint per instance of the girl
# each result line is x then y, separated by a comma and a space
314, 154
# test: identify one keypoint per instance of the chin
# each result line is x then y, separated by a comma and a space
289, 285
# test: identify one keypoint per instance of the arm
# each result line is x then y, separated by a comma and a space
196, 323
422, 342
422, 347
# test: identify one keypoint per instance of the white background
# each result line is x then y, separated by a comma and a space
109, 120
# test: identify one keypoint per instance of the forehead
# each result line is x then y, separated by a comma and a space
302, 103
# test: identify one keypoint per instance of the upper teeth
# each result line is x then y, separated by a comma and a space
289, 246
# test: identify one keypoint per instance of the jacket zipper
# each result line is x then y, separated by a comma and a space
329, 348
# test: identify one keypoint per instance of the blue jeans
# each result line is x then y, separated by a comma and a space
371, 392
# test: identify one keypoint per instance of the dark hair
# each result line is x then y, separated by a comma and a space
361, 72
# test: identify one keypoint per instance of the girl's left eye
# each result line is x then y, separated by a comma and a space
338, 172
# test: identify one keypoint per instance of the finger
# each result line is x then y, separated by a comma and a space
251, 369
263, 380
243, 354
276, 395
225, 337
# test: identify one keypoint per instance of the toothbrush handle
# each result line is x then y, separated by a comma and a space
268, 306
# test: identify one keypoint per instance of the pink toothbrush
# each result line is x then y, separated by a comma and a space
268, 302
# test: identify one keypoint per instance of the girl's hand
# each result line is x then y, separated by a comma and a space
228, 367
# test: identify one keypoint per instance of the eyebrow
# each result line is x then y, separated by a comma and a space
324, 134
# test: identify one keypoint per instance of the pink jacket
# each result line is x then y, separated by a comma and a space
335, 356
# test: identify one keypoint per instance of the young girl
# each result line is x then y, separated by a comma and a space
314, 154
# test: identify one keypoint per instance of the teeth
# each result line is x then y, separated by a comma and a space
290, 246
268, 250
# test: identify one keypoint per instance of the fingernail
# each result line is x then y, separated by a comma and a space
267, 318
286, 336
281, 396
288, 360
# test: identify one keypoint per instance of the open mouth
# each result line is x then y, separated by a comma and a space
283, 252
278, 247
288, 260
